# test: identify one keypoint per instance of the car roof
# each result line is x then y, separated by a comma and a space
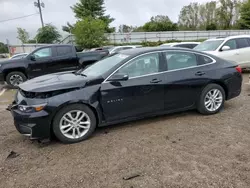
127, 46
189, 43
51, 45
174, 43
229, 37
138, 51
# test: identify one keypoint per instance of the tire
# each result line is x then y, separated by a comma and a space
68, 137
204, 99
16, 74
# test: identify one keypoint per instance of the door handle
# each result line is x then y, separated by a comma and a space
200, 73
155, 81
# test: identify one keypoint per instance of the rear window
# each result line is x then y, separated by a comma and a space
126, 48
64, 50
202, 60
182, 45
192, 45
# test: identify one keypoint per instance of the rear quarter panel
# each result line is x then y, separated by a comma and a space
225, 74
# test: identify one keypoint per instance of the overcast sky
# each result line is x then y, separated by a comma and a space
58, 12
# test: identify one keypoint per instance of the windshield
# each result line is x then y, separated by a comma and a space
210, 45
103, 66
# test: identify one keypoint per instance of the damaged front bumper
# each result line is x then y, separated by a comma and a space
35, 125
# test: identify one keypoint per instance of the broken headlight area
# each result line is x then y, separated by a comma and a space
32, 108
44, 95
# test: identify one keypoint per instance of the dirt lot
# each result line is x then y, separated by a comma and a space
180, 150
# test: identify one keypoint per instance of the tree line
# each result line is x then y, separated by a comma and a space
213, 15
92, 22
221, 14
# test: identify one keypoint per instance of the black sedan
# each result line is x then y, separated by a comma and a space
130, 85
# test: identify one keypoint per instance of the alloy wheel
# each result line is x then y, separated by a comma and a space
75, 124
213, 100
16, 79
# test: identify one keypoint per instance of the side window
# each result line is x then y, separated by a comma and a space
232, 44
202, 60
143, 65
179, 60
44, 52
242, 43
64, 50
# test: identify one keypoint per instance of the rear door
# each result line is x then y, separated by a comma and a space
65, 59
243, 45
142, 93
187, 73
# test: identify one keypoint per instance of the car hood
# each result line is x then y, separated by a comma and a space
53, 82
10, 61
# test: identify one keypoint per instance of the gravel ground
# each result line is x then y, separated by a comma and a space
184, 150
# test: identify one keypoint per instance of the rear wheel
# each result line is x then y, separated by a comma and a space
211, 100
15, 78
74, 123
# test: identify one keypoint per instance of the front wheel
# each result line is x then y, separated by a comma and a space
74, 123
15, 78
211, 100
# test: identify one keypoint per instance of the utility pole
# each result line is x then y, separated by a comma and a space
40, 5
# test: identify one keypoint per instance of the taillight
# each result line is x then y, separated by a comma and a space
239, 69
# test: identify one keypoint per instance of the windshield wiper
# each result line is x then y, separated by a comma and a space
83, 74
79, 73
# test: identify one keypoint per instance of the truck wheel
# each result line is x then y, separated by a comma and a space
15, 78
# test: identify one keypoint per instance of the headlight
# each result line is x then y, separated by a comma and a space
32, 108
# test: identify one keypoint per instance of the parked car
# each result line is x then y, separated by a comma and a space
190, 45
130, 85
102, 48
116, 49
19, 56
45, 60
233, 48
2, 56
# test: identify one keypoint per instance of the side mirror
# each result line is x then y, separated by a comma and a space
119, 77
32, 58
225, 48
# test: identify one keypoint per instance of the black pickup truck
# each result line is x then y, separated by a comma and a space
46, 60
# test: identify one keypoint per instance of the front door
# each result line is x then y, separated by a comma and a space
39, 62
141, 94
233, 54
